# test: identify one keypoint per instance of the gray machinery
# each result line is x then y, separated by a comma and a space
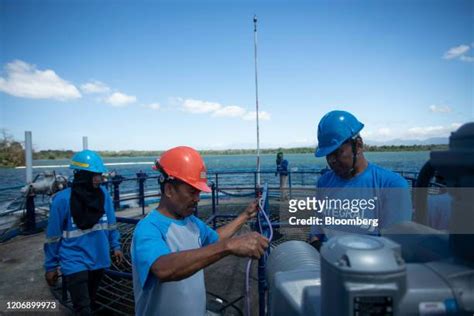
367, 276
46, 183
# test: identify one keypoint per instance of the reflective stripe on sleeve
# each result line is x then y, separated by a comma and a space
50, 240
80, 232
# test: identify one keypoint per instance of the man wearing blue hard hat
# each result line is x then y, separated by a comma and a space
352, 178
81, 233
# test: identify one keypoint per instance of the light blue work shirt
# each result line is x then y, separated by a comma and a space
157, 235
387, 191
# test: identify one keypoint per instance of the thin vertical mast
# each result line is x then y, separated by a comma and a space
256, 99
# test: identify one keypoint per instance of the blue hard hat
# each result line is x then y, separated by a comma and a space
334, 129
88, 160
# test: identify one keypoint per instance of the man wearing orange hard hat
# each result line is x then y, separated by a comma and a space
171, 246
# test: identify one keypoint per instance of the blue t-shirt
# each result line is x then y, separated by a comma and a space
157, 235
376, 193
74, 249
439, 211
282, 168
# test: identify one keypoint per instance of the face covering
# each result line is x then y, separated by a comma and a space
87, 202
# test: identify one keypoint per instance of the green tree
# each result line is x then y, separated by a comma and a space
12, 153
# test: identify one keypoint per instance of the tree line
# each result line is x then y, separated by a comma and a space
12, 152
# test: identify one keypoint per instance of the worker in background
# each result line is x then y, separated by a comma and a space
282, 171
353, 178
81, 233
171, 246
440, 205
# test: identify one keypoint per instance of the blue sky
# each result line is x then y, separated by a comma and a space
149, 75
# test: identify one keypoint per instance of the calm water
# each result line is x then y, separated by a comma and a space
399, 161
407, 161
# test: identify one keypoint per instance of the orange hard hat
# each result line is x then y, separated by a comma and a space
186, 164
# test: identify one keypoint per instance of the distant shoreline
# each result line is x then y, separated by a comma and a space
66, 154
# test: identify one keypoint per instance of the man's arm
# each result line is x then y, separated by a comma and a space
230, 229
114, 234
53, 241
180, 265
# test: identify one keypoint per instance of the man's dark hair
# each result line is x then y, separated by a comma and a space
162, 181
165, 178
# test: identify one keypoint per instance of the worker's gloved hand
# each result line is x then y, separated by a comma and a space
118, 256
51, 277
252, 209
249, 245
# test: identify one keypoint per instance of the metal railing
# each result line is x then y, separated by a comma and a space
145, 190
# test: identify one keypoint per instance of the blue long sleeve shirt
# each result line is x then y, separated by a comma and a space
282, 168
76, 250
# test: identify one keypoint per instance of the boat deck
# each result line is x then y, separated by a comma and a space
22, 277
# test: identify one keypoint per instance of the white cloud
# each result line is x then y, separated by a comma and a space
262, 116
215, 109
119, 99
26, 81
175, 101
455, 52
440, 108
230, 111
459, 52
153, 106
384, 131
377, 133
432, 131
198, 106
95, 86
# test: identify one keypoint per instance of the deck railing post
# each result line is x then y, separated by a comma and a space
141, 178
289, 182
213, 194
30, 212
217, 188
116, 181
255, 181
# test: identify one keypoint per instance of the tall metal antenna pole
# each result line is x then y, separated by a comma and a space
256, 98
